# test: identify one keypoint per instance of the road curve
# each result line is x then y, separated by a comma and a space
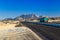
49, 32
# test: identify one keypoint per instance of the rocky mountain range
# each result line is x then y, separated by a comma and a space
27, 16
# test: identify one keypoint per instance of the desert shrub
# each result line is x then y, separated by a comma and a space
18, 25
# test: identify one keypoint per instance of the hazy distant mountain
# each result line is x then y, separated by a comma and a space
18, 18
28, 16
8, 19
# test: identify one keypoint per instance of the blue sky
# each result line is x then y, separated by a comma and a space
13, 8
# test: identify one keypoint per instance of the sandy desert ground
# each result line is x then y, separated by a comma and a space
4, 26
9, 32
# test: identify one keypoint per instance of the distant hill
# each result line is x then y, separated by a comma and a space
28, 16
8, 19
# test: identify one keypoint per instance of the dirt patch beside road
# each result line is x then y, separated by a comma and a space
18, 33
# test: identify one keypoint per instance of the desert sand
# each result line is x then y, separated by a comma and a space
4, 26
9, 32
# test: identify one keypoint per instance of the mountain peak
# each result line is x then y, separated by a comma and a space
27, 16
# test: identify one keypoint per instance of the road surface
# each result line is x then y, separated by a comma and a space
49, 32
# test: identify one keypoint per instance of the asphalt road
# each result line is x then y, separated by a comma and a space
49, 32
